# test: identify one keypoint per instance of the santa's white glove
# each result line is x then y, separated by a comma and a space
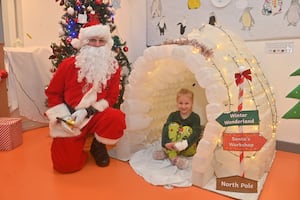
67, 124
78, 116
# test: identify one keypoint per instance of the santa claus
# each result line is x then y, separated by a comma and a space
80, 99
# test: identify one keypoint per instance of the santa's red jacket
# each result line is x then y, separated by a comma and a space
64, 90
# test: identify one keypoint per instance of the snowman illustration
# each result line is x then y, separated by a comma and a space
272, 7
267, 8
292, 15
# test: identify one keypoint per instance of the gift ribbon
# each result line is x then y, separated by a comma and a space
239, 76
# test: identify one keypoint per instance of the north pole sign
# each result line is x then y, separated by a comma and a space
236, 184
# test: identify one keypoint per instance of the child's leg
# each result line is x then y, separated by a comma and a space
180, 162
159, 155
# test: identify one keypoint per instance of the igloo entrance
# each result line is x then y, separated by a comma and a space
162, 83
162, 70
151, 94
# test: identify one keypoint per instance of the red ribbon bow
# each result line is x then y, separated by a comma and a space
239, 76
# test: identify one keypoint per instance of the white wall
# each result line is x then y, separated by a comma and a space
31, 22
277, 68
131, 22
41, 17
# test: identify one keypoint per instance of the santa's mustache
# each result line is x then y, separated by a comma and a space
96, 64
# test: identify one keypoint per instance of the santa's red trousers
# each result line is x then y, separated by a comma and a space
68, 153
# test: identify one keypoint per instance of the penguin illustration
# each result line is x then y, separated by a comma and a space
293, 13
246, 19
182, 26
162, 26
272, 7
212, 19
156, 8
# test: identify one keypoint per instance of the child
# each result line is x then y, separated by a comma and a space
181, 132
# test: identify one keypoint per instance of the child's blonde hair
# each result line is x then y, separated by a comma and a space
184, 91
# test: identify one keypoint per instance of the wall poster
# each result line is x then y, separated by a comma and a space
250, 19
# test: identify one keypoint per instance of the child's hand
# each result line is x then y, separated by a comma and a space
170, 146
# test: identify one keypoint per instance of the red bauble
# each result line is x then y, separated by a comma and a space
98, 2
68, 40
3, 74
125, 49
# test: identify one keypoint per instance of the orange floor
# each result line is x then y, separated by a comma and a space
26, 173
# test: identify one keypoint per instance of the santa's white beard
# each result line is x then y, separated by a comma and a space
96, 64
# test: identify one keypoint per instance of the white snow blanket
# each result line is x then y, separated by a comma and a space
160, 172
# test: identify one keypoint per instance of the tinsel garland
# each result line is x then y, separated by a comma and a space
202, 49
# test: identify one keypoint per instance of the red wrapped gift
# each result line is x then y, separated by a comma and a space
10, 133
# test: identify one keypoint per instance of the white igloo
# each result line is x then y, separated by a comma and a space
158, 74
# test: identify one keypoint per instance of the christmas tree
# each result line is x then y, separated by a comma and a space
294, 112
78, 13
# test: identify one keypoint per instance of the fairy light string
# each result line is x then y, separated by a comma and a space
238, 59
274, 111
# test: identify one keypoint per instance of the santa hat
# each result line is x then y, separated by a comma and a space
92, 29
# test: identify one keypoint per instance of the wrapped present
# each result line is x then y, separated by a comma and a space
10, 133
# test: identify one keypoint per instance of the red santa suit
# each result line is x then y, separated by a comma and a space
65, 93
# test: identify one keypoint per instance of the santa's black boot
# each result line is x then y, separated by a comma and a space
99, 152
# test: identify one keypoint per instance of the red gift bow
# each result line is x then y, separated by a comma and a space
246, 74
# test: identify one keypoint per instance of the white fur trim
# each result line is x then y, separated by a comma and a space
102, 31
76, 43
181, 145
56, 130
106, 140
60, 110
88, 99
101, 105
